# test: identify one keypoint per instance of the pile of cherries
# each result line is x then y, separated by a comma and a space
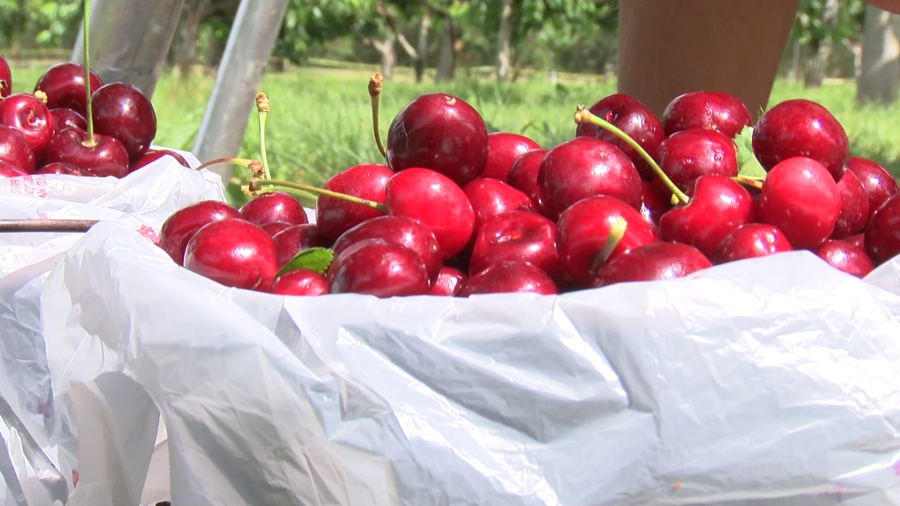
457, 211
46, 132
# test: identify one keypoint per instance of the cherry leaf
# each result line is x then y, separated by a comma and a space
748, 166
314, 259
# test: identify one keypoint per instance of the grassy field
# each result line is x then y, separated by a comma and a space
320, 119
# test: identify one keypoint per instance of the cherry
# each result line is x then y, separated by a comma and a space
153, 154
491, 197
750, 241
435, 201
845, 256
9, 170
584, 167
121, 111
877, 182
107, 170
716, 111
70, 146
27, 114
503, 150
367, 181
63, 118
883, 231
60, 168
297, 238
276, 227
439, 132
583, 229
63, 83
304, 282
632, 117
689, 154
800, 197
399, 230
509, 277
273, 206
854, 207
234, 253
656, 201
14, 149
448, 282
523, 175
5, 79
858, 240
181, 225
651, 262
717, 207
524, 236
800, 127
377, 267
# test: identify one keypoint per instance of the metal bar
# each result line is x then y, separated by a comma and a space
46, 225
130, 40
240, 73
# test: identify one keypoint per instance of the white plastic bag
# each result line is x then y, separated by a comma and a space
763, 382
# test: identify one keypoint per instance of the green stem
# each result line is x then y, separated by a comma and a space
616, 233
89, 141
585, 116
236, 161
300, 193
374, 95
262, 107
257, 184
746, 181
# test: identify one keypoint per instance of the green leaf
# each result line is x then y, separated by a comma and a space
314, 259
748, 166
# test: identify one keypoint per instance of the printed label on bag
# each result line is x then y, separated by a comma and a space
149, 234
33, 186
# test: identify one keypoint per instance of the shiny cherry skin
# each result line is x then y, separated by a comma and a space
181, 225
491, 197
877, 182
269, 207
883, 231
448, 282
523, 175
845, 256
63, 118
301, 282
60, 168
854, 207
5, 79
858, 240
30, 116
800, 197
439, 132
121, 111
585, 167
524, 236
9, 170
276, 226
437, 202
689, 154
801, 127
717, 207
63, 83
154, 154
377, 267
69, 146
751, 241
582, 230
366, 181
234, 253
106, 170
632, 117
15, 150
512, 276
652, 262
503, 149
721, 112
297, 238
657, 200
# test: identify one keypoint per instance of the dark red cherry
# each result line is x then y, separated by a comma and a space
121, 111
503, 149
717, 111
63, 83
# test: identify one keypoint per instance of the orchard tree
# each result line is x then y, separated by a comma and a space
821, 23
879, 76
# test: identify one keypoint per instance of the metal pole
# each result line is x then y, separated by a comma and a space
231, 102
130, 40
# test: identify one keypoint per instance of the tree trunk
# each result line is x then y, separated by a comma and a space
447, 56
503, 37
815, 71
879, 76
422, 49
388, 56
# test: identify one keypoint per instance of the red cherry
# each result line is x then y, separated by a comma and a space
68, 146
303, 282
721, 112
377, 267
366, 181
107, 170
234, 253
5, 79
657, 199
181, 225
854, 207
60, 168
121, 111
651, 262
503, 149
490, 197
15, 150
509, 277
275, 227
297, 238
30, 116
689, 154
751, 241
858, 240
152, 155
63, 118
877, 182
63, 83
523, 175
270, 207
845, 256
448, 282
883, 232
800, 197
524, 236
9, 170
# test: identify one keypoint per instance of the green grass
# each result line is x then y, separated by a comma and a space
320, 118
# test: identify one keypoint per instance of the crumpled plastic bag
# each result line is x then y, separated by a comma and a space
763, 382
37, 463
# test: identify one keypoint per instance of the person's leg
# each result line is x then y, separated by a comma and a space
670, 47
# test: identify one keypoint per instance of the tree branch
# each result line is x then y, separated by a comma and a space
391, 23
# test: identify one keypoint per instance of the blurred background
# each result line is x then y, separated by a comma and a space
524, 64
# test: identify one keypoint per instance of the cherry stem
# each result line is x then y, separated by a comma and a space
257, 184
375, 94
89, 139
616, 232
582, 115
299, 193
243, 162
746, 181
46, 225
262, 107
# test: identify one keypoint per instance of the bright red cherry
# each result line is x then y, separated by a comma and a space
854, 207
269, 207
509, 277
750, 241
15, 150
181, 225
877, 182
721, 112
652, 262
301, 282
448, 282
523, 175
377, 267
234, 253
689, 154
845, 256
297, 238
366, 181
503, 149
30, 116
